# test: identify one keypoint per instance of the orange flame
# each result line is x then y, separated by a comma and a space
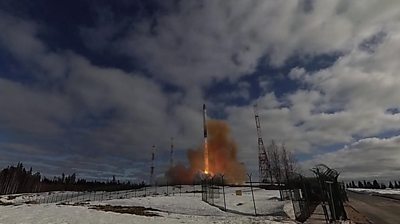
206, 164
221, 151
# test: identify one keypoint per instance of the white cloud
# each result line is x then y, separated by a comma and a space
367, 158
19, 37
342, 103
138, 113
199, 43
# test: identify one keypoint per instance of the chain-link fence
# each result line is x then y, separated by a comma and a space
333, 194
86, 196
247, 199
304, 194
324, 189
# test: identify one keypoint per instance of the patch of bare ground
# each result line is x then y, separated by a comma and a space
31, 202
136, 210
5, 203
11, 197
355, 216
82, 203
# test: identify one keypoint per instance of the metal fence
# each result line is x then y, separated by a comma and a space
246, 199
304, 196
86, 196
333, 194
324, 189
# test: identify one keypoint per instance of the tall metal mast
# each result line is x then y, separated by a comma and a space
171, 154
263, 163
153, 150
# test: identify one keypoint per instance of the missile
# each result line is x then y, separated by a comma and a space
206, 163
205, 121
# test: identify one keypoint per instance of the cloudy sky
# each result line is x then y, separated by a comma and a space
90, 86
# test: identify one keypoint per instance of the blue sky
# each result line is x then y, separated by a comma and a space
89, 87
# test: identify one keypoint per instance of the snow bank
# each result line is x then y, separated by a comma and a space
378, 191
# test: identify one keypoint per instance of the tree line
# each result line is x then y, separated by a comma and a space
16, 179
280, 163
373, 185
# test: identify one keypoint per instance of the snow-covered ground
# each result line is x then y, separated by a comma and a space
266, 202
51, 213
184, 206
378, 191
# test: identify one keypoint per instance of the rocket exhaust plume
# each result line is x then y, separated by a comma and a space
220, 157
206, 164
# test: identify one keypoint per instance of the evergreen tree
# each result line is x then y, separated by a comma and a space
375, 185
391, 185
360, 184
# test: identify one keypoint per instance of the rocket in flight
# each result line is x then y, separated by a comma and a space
206, 165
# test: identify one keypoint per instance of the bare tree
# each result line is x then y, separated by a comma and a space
275, 161
282, 163
293, 167
285, 163
288, 163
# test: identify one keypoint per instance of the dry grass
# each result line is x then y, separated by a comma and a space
355, 216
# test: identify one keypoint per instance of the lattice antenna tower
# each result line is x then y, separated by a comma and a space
153, 151
171, 154
262, 154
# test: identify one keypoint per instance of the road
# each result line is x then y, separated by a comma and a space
379, 210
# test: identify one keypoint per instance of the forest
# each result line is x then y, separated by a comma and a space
16, 179
374, 185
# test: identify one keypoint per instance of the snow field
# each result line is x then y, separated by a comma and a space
180, 206
51, 213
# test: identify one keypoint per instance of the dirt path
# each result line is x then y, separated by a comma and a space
378, 209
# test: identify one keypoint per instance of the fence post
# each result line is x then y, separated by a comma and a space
331, 197
252, 194
223, 190
204, 190
212, 189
